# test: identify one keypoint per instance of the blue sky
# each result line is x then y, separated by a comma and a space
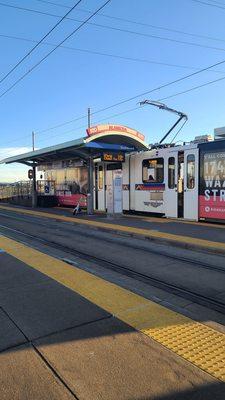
70, 81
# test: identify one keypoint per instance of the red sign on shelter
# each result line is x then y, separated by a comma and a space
116, 129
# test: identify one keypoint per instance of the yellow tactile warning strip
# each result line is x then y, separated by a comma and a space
195, 342
175, 220
157, 220
186, 240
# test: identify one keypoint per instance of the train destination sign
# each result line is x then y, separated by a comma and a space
113, 157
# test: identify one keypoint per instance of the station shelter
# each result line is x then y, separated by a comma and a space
97, 162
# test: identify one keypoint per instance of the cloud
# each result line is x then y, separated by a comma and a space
6, 152
13, 172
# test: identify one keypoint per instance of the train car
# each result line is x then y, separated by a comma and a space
185, 181
163, 181
212, 181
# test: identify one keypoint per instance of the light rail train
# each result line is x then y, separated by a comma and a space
186, 181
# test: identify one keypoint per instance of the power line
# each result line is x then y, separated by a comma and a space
55, 48
96, 122
135, 108
157, 27
124, 30
39, 42
104, 54
193, 88
137, 22
208, 4
217, 2
79, 127
138, 95
15, 140
129, 110
52, 3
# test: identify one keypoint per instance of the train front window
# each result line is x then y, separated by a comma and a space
171, 173
190, 171
153, 170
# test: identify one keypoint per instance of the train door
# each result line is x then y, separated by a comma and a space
191, 184
171, 179
180, 185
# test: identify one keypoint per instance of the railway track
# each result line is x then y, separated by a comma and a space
129, 272
199, 264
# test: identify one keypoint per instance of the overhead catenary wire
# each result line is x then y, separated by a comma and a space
77, 127
192, 88
158, 88
162, 86
209, 4
38, 43
104, 54
135, 108
96, 122
137, 22
140, 34
53, 50
127, 111
134, 97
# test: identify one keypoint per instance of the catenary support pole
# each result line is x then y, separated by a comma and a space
34, 184
89, 117
33, 140
90, 197
90, 166
34, 188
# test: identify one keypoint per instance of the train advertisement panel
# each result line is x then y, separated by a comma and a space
212, 185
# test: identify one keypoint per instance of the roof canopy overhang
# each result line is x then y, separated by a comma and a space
115, 138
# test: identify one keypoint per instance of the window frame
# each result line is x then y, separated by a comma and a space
174, 171
193, 176
153, 159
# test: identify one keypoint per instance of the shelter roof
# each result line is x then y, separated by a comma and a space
99, 139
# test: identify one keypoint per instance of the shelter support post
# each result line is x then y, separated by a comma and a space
34, 188
90, 197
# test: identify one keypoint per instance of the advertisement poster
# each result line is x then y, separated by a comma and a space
212, 185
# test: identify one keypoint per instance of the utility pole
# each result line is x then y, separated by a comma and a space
34, 186
90, 197
33, 140
89, 117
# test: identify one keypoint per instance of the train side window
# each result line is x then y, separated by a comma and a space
190, 171
153, 170
171, 173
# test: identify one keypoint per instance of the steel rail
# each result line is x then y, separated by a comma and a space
198, 263
180, 291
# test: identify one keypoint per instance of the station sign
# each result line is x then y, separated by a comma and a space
115, 129
113, 157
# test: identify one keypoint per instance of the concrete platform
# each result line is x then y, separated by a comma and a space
187, 234
66, 333
25, 376
115, 363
